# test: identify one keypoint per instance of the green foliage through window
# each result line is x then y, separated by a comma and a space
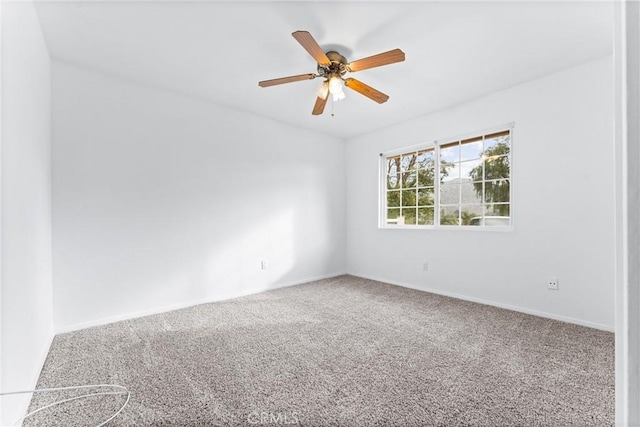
473, 185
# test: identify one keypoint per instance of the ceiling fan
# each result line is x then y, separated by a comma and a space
332, 67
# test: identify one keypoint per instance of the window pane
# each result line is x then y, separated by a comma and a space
425, 196
449, 215
497, 210
425, 216
426, 159
392, 216
497, 191
393, 182
471, 149
393, 164
409, 216
500, 141
449, 171
476, 221
450, 194
498, 221
393, 199
497, 167
471, 169
409, 179
425, 178
450, 152
471, 192
497, 215
409, 198
408, 161
471, 213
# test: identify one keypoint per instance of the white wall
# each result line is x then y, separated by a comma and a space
562, 207
162, 200
27, 319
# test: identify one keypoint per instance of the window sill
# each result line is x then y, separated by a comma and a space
473, 229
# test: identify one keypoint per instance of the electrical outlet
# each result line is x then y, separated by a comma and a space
552, 283
425, 266
264, 264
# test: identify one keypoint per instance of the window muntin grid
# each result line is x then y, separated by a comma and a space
473, 186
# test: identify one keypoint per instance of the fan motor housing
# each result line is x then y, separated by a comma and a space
337, 66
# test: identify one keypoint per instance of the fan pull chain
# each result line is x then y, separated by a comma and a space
332, 103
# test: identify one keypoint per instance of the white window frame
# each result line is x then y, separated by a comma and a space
435, 145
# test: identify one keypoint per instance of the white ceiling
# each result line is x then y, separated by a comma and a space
218, 51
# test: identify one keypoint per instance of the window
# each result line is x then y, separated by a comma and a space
462, 182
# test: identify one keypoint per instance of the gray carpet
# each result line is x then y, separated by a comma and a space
337, 352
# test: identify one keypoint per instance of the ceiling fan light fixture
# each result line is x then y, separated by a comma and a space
323, 90
337, 96
335, 85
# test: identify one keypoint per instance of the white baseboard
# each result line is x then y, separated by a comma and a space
186, 304
492, 303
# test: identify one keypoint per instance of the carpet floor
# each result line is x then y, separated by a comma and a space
338, 352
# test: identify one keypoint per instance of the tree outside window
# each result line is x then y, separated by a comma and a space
459, 183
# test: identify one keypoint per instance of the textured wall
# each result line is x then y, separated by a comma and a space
162, 200
563, 195
27, 319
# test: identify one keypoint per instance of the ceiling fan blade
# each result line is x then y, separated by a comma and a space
282, 80
385, 58
318, 108
308, 42
366, 90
